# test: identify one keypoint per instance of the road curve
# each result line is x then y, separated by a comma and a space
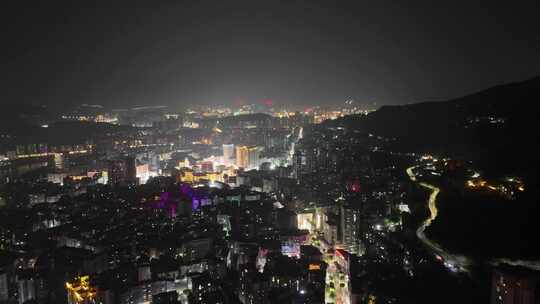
455, 262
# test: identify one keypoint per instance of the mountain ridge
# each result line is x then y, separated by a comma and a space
494, 127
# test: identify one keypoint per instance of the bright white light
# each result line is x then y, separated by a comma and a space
404, 208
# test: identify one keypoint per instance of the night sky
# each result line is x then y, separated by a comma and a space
311, 52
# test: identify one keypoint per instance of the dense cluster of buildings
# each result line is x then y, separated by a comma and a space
157, 213
212, 206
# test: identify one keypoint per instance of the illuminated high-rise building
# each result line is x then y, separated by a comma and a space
228, 153
59, 161
254, 157
27, 290
242, 157
248, 157
351, 227
142, 173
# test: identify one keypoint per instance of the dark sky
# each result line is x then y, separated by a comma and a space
318, 52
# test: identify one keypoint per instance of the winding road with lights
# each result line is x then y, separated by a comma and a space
454, 262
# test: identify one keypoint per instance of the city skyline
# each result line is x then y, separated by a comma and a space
276, 152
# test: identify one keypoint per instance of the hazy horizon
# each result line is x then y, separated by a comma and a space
303, 53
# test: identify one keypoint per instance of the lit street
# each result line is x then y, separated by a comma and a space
454, 262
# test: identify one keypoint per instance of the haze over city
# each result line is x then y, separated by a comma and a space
315, 52
276, 152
